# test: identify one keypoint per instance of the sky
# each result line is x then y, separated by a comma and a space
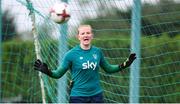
23, 21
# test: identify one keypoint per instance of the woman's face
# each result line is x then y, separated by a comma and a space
85, 35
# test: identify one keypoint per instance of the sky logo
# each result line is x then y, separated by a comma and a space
89, 65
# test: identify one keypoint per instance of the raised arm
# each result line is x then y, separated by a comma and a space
115, 68
58, 73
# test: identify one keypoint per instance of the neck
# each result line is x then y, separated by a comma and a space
85, 47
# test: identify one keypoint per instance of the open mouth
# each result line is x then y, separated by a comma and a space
86, 39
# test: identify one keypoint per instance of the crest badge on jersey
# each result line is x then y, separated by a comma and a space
95, 56
81, 58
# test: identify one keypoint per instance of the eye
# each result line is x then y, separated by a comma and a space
87, 32
83, 33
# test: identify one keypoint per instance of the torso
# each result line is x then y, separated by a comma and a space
84, 70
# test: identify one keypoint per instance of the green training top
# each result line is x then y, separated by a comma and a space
84, 66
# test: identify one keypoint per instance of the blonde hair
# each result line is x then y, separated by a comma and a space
84, 26
81, 26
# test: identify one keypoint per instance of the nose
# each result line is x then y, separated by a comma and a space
85, 35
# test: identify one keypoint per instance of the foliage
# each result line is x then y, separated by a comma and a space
115, 21
159, 55
154, 24
8, 26
18, 58
17, 75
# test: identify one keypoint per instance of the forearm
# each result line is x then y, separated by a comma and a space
111, 68
115, 68
58, 73
62, 69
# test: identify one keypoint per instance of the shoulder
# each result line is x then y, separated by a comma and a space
97, 49
72, 51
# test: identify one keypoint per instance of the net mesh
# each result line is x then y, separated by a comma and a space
111, 22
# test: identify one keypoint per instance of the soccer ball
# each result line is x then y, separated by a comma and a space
60, 12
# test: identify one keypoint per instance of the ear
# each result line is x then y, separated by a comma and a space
92, 36
77, 36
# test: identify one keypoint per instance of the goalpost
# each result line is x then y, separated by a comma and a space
0, 65
135, 45
37, 46
63, 48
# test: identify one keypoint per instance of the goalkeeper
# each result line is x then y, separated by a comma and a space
84, 61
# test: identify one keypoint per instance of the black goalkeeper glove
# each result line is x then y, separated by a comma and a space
42, 67
129, 61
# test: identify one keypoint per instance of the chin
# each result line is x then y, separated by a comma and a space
86, 44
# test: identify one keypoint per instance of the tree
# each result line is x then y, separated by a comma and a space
160, 18
8, 26
157, 19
